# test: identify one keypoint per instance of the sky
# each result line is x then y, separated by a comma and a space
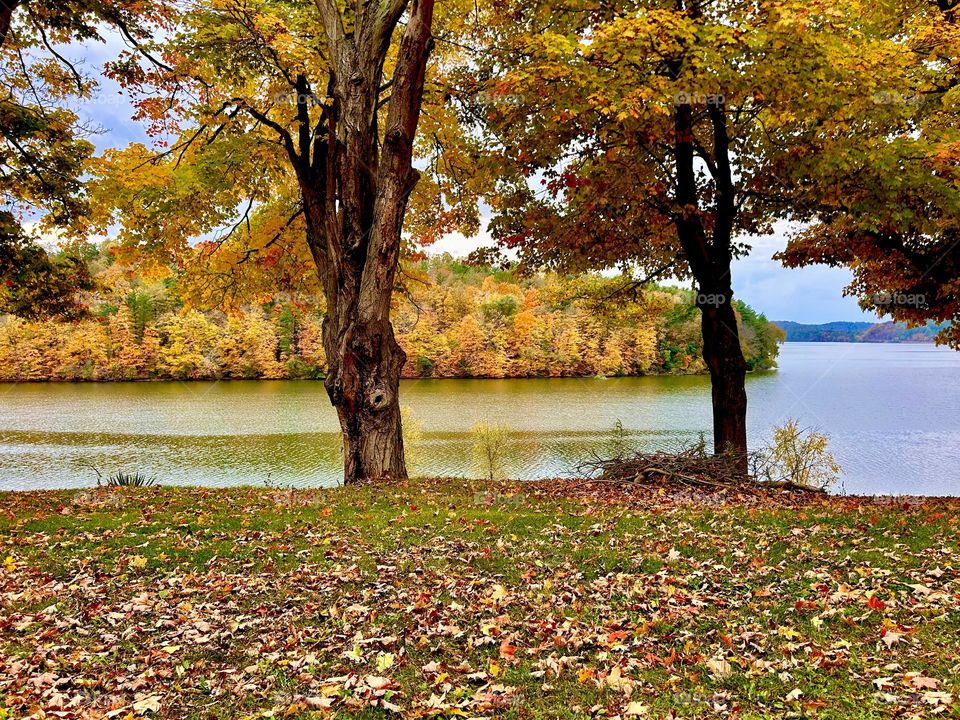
807, 295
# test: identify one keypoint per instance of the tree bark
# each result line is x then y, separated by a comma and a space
6, 16
728, 370
355, 196
363, 385
710, 259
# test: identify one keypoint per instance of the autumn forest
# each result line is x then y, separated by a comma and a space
457, 321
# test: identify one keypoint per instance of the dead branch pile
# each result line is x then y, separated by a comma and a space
691, 466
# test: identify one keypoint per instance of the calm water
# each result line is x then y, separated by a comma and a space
892, 411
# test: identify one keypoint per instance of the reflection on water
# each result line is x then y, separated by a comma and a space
891, 411
68, 459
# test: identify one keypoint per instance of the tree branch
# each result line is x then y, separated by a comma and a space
262, 118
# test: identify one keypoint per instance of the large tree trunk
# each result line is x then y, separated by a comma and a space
364, 362
710, 259
363, 384
355, 188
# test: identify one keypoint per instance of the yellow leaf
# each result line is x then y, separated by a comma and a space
384, 661
719, 668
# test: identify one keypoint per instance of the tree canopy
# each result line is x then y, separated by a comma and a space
646, 135
45, 147
883, 193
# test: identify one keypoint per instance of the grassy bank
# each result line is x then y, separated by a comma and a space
451, 598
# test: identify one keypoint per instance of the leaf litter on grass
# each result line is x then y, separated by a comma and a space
418, 600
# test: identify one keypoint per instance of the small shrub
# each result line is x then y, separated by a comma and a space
798, 456
619, 441
490, 449
412, 440
296, 368
499, 307
424, 366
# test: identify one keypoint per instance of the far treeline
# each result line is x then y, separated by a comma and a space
861, 332
455, 320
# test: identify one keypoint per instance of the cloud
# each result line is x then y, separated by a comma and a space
109, 112
808, 295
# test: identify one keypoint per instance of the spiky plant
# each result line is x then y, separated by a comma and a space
124, 479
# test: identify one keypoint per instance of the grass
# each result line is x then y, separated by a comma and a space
453, 598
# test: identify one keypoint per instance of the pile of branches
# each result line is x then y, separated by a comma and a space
691, 466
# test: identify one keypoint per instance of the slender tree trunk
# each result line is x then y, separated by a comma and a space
710, 259
728, 370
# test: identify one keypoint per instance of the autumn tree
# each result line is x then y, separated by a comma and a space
34, 283
882, 196
308, 113
248, 347
132, 354
189, 343
567, 327
640, 135
43, 145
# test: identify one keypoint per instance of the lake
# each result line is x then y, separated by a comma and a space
892, 412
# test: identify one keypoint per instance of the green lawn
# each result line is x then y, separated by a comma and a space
452, 598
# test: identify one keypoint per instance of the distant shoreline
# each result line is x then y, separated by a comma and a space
860, 332
863, 342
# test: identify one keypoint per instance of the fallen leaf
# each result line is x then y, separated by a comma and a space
719, 668
148, 704
924, 683
384, 661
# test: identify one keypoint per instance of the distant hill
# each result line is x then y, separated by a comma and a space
888, 332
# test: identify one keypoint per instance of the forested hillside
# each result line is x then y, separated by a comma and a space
452, 319
888, 332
